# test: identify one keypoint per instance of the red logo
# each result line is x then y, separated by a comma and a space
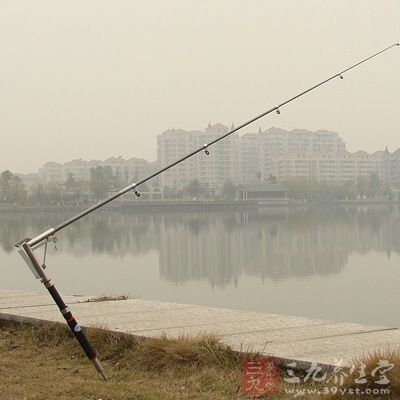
260, 377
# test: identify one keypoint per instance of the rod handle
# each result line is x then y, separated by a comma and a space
71, 321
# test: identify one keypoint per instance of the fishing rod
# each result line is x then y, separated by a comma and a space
27, 246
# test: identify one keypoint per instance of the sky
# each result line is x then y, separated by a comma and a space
94, 79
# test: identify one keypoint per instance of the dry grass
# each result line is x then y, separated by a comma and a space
347, 391
106, 297
371, 362
203, 351
44, 362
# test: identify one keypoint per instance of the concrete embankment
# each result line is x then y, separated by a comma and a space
304, 340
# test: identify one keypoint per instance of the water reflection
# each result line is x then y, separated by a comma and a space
220, 247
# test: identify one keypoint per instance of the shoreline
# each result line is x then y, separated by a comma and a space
265, 333
196, 205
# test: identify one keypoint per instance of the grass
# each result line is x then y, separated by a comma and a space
370, 362
106, 297
45, 362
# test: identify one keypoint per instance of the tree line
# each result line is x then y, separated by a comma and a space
103, 181
365, 187
72, 191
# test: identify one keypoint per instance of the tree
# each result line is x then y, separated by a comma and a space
361, 186
37, 194
271, 179
373, 185
17, 190
73, 189
11, 188
53, 193
172, 193
100, 181
70, 183
5, 185
300, 188
117, 178
228, 191
194, 188
126, 175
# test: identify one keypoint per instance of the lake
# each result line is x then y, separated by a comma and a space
333, 262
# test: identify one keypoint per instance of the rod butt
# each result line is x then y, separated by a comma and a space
99, 367
103, 375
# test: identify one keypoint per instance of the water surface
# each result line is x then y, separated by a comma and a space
339, 263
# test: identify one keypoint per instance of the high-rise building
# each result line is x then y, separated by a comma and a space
249, 158
289, 154
318, 156
392, 166
328, 167
283, 155
212, 170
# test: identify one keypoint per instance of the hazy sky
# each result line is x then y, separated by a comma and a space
93, 79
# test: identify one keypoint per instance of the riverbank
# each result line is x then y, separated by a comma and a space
44, 362
154, 350
288, 338
194, 205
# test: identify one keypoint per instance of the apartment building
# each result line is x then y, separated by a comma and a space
125, 170
212, 170
328, 167
249, 158
51, 172
392, 166
299, 152
319, 156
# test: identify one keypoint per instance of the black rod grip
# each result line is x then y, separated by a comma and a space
80, 336
56, 297
72, 323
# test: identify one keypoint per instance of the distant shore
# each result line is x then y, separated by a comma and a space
193, 205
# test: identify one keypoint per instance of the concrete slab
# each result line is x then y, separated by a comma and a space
287, 337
